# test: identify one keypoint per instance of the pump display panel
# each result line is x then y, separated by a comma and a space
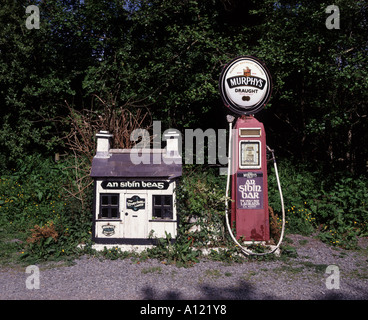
250, 154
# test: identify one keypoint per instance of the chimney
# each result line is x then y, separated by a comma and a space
103, 144
172, 143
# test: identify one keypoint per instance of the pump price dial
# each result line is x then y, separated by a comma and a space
245, 85
249, 155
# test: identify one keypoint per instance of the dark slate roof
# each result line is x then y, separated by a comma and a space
120, 165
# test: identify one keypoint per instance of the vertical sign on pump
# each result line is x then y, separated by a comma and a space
245, 87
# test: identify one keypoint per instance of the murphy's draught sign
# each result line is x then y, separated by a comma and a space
245, 85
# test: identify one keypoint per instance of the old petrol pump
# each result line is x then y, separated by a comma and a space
245, 87
249, 189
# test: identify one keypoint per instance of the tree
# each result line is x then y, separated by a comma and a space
39, 70
168, 55
320, 78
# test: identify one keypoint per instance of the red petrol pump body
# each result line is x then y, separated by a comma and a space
245, 87
249, 191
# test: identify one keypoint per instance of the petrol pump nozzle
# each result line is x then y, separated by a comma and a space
230, 118
272, 152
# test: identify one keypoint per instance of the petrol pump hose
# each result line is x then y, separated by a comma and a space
230, 119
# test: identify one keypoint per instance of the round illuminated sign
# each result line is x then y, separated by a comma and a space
245, 85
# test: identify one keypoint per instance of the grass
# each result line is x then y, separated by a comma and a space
248, 275
11, 245
152, 270
213, 273
318, 268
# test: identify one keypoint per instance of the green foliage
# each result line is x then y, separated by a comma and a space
320, 80
115, 253
32, 193
299, 185
179, 252
201, 199
201, 208
229, 254
11, 243
335, 205
342, 211
167, 55
33, 202
37, 74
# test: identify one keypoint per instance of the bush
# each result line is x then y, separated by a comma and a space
335, 205
34, 202
201, 199
36, 205
342, 211
298, 187
179, 252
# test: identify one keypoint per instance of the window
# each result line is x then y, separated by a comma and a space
109, 206
162, 207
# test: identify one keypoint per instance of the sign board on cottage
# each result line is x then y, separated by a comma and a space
135, 184
136, 203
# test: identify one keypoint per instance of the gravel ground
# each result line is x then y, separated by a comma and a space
302, 277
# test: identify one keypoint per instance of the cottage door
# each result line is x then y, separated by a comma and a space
134, 214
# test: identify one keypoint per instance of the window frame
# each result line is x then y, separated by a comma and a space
256, 164
109, 206
162, 206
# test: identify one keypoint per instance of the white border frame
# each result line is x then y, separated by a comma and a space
248, 135
259, 157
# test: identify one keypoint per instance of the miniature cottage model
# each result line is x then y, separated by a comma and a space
134, 201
